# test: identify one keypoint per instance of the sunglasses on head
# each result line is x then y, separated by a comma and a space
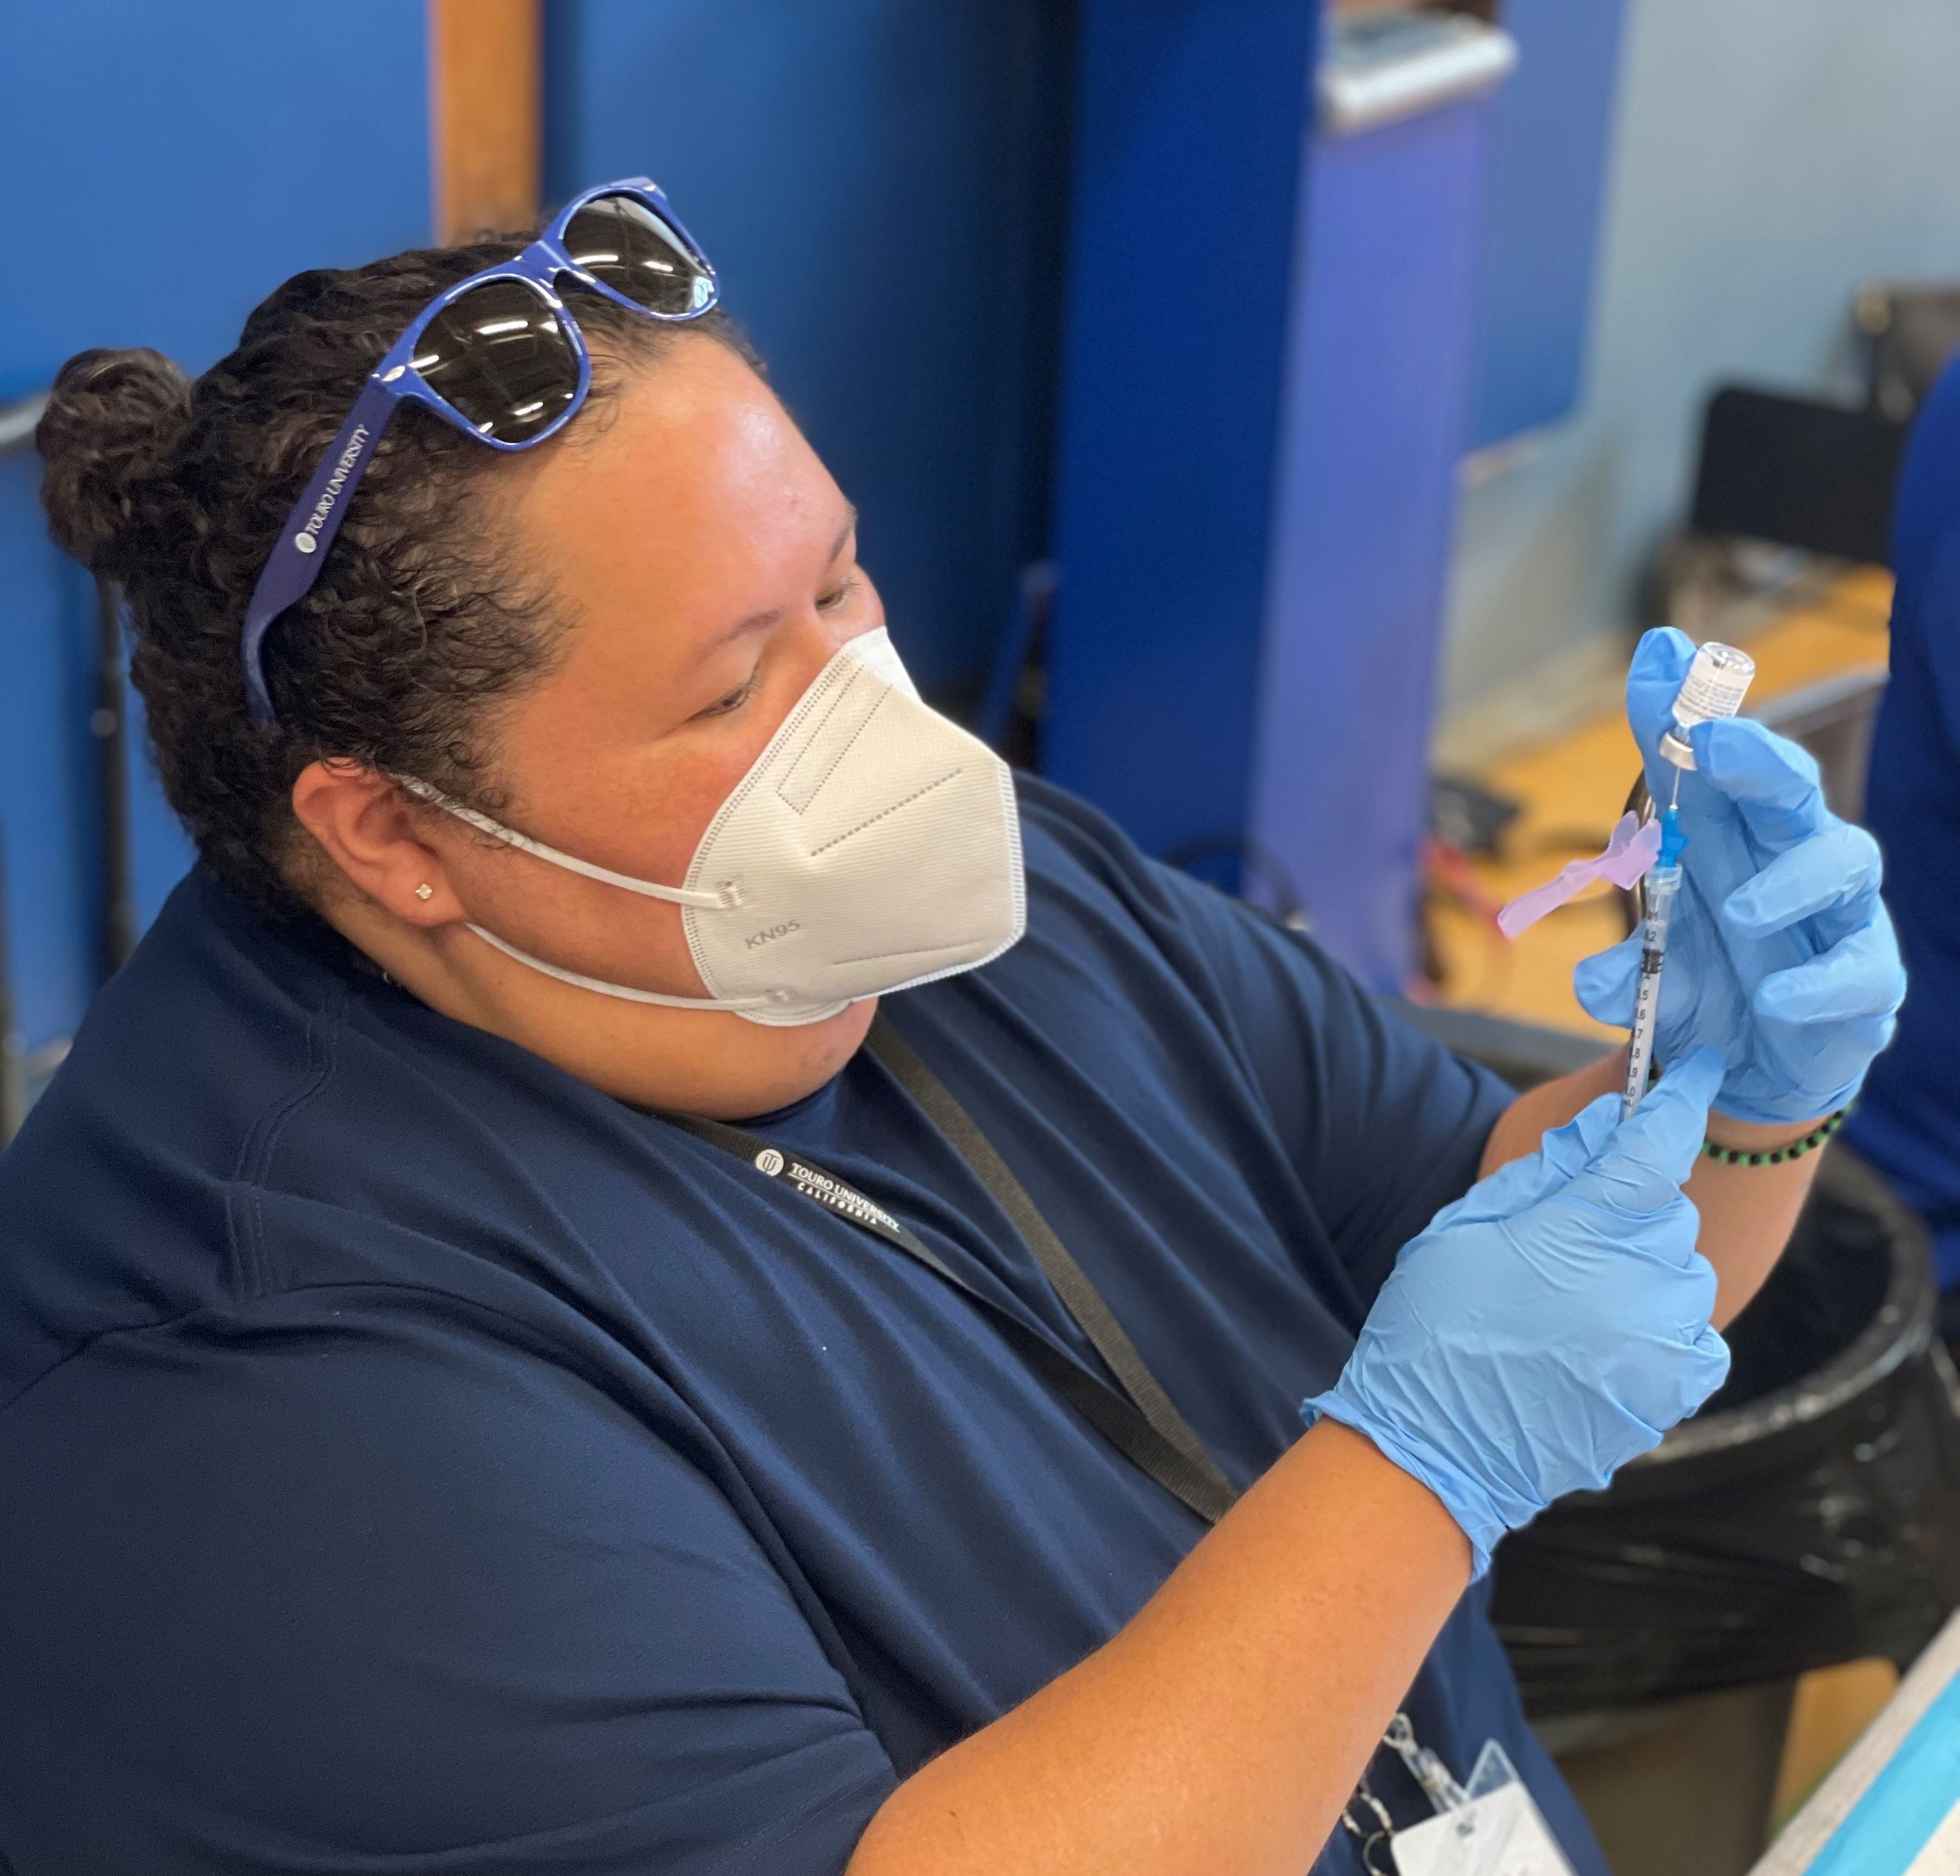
499, 356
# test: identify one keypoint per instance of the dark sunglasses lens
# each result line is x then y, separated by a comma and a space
499, 354
620, 241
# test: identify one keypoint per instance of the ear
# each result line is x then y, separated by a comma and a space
365, 825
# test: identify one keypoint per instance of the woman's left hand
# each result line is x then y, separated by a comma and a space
1780, 953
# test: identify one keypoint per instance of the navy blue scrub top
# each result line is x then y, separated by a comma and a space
1907, 1120
413, 1460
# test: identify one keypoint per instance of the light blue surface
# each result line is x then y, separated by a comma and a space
166, 167
1889, 1825
1192, 130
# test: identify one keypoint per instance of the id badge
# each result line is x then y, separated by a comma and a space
1496, 1830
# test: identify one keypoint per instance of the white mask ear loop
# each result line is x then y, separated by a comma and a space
722, 901
624, 992
678, 895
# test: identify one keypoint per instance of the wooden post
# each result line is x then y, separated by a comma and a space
486, 87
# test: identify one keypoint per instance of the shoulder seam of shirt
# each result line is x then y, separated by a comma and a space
244, 1232
244, 1195
835, 1649
82, 1349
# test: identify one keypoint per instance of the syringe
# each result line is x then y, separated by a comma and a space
1714, 687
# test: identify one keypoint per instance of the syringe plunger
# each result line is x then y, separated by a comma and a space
1714, 687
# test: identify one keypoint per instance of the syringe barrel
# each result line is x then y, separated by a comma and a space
1662, 884
1717, 681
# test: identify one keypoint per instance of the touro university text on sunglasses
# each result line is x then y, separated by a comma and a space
499, 356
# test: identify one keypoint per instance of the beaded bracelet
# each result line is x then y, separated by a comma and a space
1815, 1138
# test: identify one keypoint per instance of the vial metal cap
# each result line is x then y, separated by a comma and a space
1717, 681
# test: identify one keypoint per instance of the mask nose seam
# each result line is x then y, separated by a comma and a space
850, 742
883, 813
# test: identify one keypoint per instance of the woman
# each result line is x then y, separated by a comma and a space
514, 1360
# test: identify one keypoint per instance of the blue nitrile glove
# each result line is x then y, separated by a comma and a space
1552, 1324
1779, 953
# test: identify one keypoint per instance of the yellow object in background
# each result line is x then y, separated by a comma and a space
1832, 1706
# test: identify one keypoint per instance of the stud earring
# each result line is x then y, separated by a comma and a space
425, 891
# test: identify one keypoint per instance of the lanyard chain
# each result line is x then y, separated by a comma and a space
1371, 1838
1425, 1767
1428, 1771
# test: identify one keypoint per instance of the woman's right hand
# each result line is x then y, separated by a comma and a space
1552, 1324
1544, 1329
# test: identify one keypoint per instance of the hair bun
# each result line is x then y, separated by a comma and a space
111, 421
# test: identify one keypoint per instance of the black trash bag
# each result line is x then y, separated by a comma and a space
1809, 1515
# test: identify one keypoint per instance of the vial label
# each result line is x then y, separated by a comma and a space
1716, 684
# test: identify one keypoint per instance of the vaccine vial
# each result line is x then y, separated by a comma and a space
1716, 684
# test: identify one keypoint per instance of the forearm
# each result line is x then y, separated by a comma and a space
1747, 1212
1219, 1733
1535, 1113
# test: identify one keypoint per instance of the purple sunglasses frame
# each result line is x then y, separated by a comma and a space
294, 564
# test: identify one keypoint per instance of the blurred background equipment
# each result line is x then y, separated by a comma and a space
1798, 473
24, 1071
1815, 475
1911, 335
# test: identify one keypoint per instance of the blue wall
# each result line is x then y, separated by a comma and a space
1191, 137
1378, 378
165, 166
1550, 130
879, 184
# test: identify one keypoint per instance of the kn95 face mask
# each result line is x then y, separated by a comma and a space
872, 845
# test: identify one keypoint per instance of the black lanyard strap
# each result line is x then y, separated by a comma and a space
1141, 1421
1200, 1484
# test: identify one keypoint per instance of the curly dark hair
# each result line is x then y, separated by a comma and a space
416, 630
